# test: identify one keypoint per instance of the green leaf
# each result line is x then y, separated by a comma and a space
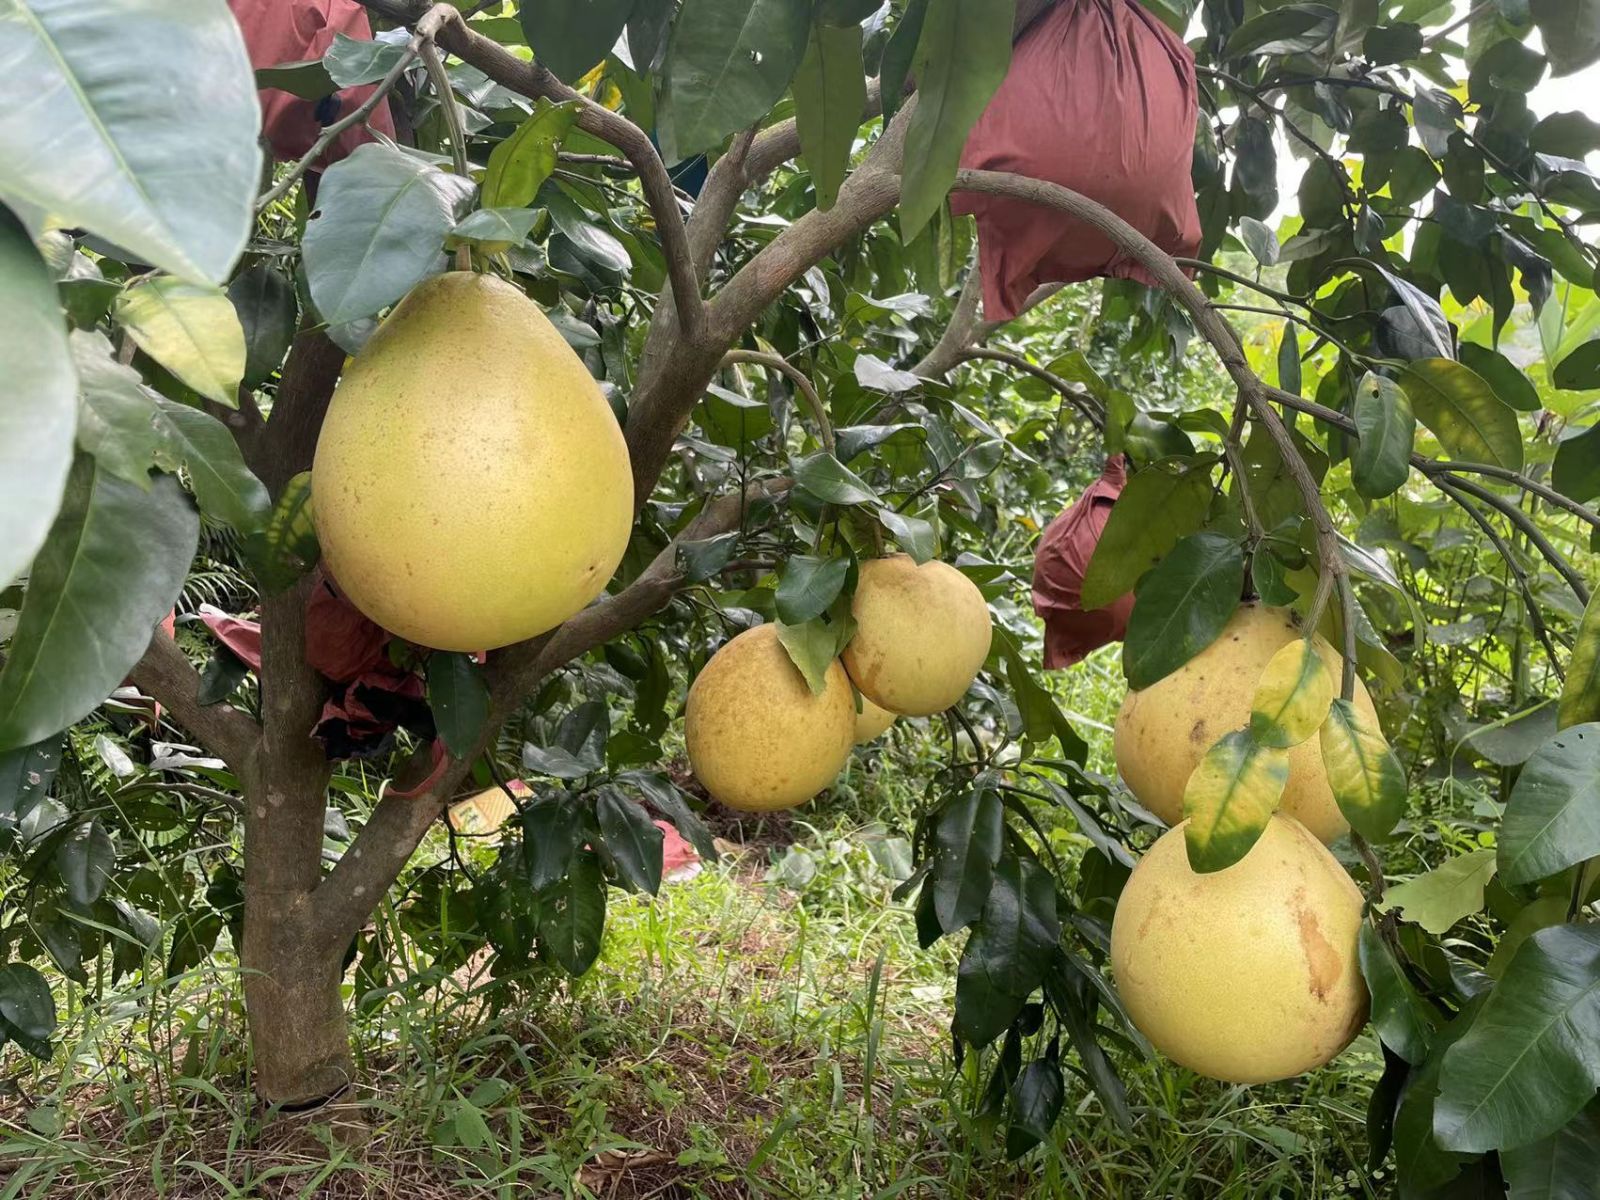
1367, 780
1380, 462
265, 303
112, 143
728, 62
966, 846
379, 226
1571, 33
519, 165
1446, 894
1292, 29
190, 329
704, 557
112, 567
1156, 508
1552, 818
830, 93
1579, 371
495, 230
86, 858
830, 481
286, 547
116, 415
632, 838
1292, 696
571, 36
571, 926
27, 1008
26, 774
1531, 1060
1580, 695
1470, 421
579, 745
915, 536
1562, 1166
1181, 605
590, 240
1262, 243
307, 79
1230, 797
898, 54
962, 57
552, 831
812, 647
38, 398
228, 491
668, 800
459, 699
1009, 951
1402, 1018
1576, 470
808, 586
1421, 1165
354, 61
1509, 383
1036, 1100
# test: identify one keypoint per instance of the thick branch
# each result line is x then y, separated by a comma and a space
285, 445
166, 674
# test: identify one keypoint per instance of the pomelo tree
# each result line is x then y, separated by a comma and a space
1402, 450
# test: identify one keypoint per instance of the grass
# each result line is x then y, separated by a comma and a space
768, 1028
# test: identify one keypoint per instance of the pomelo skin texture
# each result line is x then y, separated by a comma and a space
1163, 731
922, 633
758, 739
471, 487
871, 721
1248, 974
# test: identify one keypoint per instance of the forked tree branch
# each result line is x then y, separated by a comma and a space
165, 674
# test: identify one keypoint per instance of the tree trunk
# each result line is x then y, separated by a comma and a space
298, 1031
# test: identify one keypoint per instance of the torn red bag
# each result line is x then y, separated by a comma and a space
1065, 548
287, 31
1100, 98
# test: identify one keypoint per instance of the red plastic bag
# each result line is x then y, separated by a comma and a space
1065, 548
1100, 98
287, 31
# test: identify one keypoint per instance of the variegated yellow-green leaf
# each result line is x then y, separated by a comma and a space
1292, 696
1230, 797
1580, 697
1368, 781
192, 331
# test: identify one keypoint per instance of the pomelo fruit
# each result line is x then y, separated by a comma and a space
1164, 730
471, 487
1247, 974
758, 738
871, 721
922, 633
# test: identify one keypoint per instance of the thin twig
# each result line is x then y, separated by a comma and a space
795, 375
457, 129
1078, 398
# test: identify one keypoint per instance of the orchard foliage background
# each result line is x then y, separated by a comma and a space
763, 273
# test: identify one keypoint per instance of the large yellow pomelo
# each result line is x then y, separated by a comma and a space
1164, 730
1247, 974
871, 721
471, 487
758, 738
922, 633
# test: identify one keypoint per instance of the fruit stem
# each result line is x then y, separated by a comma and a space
458, 132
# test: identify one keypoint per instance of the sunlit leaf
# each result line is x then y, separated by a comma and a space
1292, 696
1437, 899
1552, 819
1231, 795
1367, 780
1462, 410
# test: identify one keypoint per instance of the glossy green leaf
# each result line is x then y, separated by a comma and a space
124, 139
1563, 1166
571, 36
589, 238
1367, 780
830, 481
962, 56
112, 567
1576, 470
632, 839
1230, 797
352, 61
1531, 1060
86, 859
1181, 605
495, 230
1458, 405
227, 490
116, 414
1580, 695
38, 399
808, 585
552, 831
1439, 898
1421, 1164
459, 698
1508, 382
265, 302
26, 1007
578, 747
1155, 509
1036, 1100
668, 800
1402, 1018
1579, 371
1009, 951
1291, 29
519, 165
1380, 461
191, 330
378, 230
574, 915
1292, 696
830, 94
966, 846
898, 56
917, 537
1552, 819
728, 62
813, 645
307, 79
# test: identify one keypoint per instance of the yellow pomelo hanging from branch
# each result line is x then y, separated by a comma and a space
471, 486
922, 633
1164, 730
1247, 974
758, 738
